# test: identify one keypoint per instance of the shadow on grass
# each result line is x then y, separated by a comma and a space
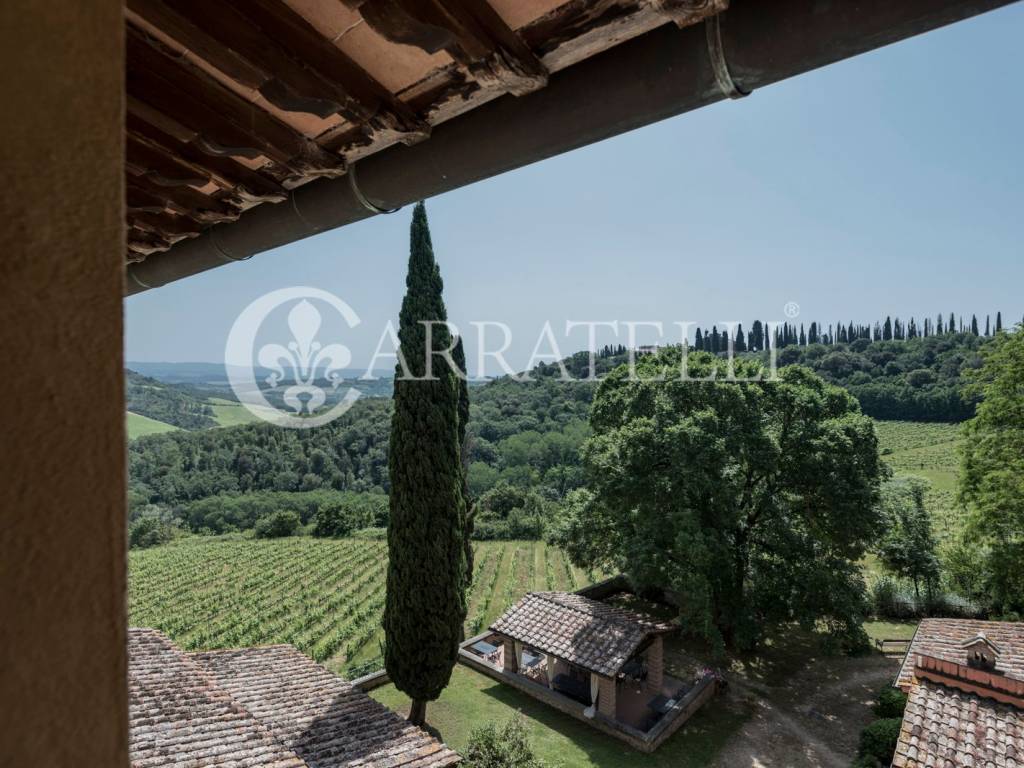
695, 744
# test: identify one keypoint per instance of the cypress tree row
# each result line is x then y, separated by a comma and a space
426, 585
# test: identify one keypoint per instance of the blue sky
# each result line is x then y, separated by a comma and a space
886, 184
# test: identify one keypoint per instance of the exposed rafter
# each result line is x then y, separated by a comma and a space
470, 31
224, 122
290, 64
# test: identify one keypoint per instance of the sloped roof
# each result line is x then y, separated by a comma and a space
943, 726
592, 634
945, 638
269, 707
322, 718
179, 717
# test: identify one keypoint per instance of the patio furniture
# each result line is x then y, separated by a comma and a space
484, 648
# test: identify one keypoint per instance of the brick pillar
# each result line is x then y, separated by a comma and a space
656, 666
606, 698
511, 661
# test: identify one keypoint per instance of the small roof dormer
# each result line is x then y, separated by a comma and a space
982, 653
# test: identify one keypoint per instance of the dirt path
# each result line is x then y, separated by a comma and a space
813, 720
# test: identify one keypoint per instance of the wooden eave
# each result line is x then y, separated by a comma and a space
232, 104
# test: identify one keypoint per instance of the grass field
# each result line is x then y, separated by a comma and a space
323, 596
139, 425
228, 413
927, 450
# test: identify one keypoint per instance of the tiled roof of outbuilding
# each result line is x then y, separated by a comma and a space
592, 634
269, 707
944, 639
943, 726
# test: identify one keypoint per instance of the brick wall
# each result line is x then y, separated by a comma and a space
656, 666
606, 698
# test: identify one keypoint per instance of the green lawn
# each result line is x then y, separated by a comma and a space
472, 699
139, 425
890, 630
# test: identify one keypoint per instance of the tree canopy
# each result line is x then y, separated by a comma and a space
992, 469
908, 546
751, 502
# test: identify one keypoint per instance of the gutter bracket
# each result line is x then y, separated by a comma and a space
363, 199
716, 52
220, 250
131, 273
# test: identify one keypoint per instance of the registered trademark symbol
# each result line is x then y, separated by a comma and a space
792, 309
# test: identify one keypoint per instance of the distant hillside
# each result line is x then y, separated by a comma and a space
917, 379
139, 426
170, 404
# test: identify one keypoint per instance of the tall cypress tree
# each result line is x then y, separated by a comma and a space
459, 357
974, 324
426, 586
698, 341
999, 321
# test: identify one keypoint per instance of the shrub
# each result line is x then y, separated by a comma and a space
371, 534
878, 740
277, 525
150, 532
891, 703
890, 601
505, 747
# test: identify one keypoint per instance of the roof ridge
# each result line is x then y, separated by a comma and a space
615, 614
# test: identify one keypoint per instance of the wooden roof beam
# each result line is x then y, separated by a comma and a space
168, 226
246, 183
687, 12
305, 71
160, 168
232, 44
470, 31
191, 202
222, 121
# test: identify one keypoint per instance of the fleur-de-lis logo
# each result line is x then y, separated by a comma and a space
297, 365
304, 355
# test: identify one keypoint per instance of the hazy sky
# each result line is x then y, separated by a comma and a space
886, 184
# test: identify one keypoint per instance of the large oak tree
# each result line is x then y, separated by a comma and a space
752, 502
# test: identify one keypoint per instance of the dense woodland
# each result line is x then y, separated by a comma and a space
524, 437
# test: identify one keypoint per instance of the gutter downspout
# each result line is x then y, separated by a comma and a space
663, 73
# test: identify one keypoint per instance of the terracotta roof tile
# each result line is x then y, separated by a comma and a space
270, 707
592, 634
944, 639
179, 717
322, 718
943, 726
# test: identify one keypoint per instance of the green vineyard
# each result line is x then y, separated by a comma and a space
323, 596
